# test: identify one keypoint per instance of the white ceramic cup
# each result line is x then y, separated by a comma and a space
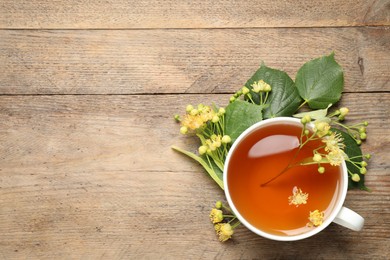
340, 215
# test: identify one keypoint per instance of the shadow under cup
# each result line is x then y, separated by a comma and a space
260, 183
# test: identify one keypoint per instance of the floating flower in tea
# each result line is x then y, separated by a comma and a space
316, 218
298, 197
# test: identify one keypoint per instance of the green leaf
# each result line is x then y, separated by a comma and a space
352, 149
320, 82
216, 176
284, 98
239, 116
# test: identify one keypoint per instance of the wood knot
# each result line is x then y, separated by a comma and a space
361, 65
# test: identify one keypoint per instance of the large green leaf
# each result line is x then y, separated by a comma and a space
352, 149
239, 116
320, 82
284, 98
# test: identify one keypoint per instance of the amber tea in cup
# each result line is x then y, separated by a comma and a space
260, 182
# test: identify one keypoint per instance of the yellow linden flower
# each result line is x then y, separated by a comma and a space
216, 215
316, 218
224, 231
260, 86
321, 128
335, 157
192, 122
334, 142
196, 118
334, 148
298, 197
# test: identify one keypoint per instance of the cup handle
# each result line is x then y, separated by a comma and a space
349, 219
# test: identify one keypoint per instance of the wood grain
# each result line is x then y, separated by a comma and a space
87, 94
85, 176
182, 61
191, 14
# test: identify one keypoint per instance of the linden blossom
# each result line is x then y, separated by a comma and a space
316, 218
298, 197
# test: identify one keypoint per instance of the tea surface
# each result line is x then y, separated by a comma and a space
262, 156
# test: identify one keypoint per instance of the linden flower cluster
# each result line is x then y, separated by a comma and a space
357, 131
259, 89
196, 118
333, 150
208, 124
224, 224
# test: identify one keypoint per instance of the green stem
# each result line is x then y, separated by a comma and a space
229, 216
266, 97
275, 177
236, 224
304, 103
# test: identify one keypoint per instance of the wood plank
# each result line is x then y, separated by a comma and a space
191, 14
94, 177
181, 61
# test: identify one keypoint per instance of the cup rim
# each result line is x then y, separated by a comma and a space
336, 209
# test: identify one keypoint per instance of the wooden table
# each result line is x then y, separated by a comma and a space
87, 94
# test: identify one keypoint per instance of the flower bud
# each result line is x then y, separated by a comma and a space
362, 129
183, 130
217, 144
344, 111
368, 156
194, 112
267, 88
306, 119
358, 142
218, 204
245, 90
363, 170
189, 108
317, 157
221, 111
201, 106
355, 177
202, 150
363, 136
177, 118
232, 99
215, 119
363, 163
321, 169
226, 139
